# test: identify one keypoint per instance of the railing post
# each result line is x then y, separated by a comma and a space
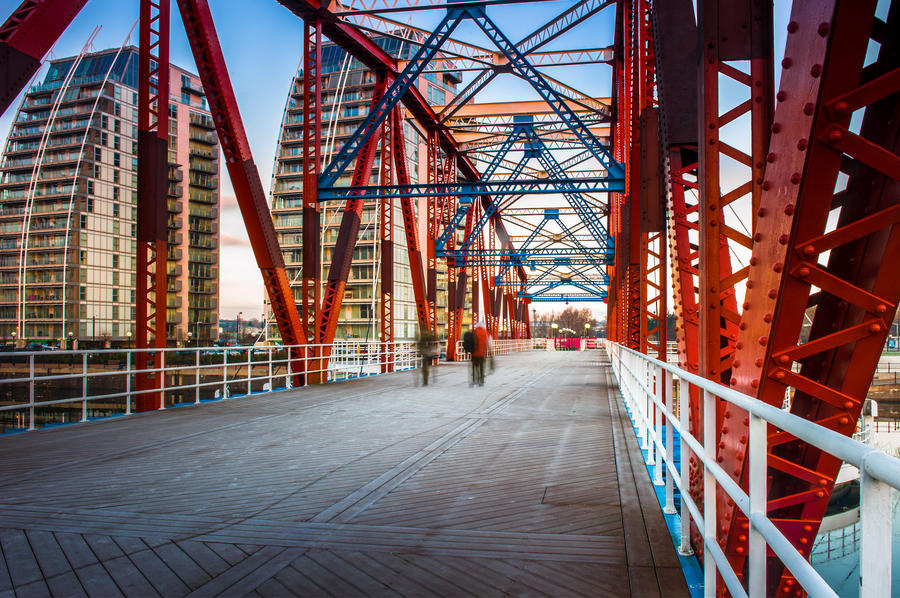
31, 392
642, 406
288, 382
657, 429
197, 378
875, 536
84, 371
758, 492
127, 382
709, 493
249, 371
162, 379
271, 381
669, 508
224, 373
684, 390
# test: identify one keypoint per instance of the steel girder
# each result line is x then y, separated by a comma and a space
310, 285
242, 170
152, 214
497, 188
845, 271
26, 36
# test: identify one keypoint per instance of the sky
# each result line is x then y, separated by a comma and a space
262, 51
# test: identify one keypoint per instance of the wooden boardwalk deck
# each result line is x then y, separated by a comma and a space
528, 486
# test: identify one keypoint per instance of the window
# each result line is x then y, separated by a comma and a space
90, 204
185, 98
83, 221
104, 138
82, 292
115, 142
82, 257
115, 295
116, 160
115, 260
115, 176
115, 206
185, 81
104, 121
96, 171
116, 197
117, 126
98, 154
90, 190
118, 109
436, 96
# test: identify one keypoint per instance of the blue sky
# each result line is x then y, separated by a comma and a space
262, 50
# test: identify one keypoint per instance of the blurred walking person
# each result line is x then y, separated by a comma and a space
479, 353
428, 349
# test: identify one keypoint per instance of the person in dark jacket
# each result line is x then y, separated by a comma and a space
479, 353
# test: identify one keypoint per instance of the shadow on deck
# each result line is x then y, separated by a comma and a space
530, 485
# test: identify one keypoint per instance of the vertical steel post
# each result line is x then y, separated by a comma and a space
152, 187
758, 492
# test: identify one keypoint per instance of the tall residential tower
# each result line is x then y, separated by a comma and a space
68, 207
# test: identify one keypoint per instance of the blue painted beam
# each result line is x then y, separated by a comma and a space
499, 188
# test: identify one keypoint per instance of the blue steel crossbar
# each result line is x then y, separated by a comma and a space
503, 187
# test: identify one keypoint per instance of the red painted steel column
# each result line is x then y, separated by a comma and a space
386, 243
311, 284
25, 37
152, 213
430, 250
825, 252
409, 223
242, 170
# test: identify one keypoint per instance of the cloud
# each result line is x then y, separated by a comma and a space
227, 240
228, 203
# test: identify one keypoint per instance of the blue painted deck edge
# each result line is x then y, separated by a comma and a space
690, 567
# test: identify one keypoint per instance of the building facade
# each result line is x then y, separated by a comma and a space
68, 207
347, 88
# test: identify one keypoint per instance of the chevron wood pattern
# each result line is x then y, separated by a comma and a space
529, 486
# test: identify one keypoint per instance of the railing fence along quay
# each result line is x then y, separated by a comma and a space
54, 387
647, 387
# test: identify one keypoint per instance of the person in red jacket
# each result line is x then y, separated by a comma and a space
479, 353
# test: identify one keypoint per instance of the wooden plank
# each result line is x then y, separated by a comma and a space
166, 582
48, 553
66, 584
96, 581
23, 568
192, 574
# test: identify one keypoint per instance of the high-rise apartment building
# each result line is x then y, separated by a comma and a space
68, 207
347, 88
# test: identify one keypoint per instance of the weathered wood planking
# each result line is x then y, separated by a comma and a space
531, 485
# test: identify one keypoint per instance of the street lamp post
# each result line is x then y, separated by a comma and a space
129, 335
190, 336
197, 332
238, 327
70, 335
587, 327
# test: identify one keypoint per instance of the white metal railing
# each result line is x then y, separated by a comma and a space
50, 387
647, 385
504, 346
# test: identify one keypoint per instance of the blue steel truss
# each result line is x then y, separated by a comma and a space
500, 188
574, 297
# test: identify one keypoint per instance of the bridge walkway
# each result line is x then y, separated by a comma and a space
530, 485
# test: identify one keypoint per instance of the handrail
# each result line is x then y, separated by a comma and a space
103, 380
646, 384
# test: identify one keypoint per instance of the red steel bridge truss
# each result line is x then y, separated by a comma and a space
766, 210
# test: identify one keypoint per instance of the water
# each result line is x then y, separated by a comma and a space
838, 563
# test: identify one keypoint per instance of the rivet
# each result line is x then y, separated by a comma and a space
835, 136
739, 345
770, 157
758, 363
795, 178
761, 212
780, 96
808, 108
844, 420
876, 327
783, 359
801, 145
757, 237
789, 209
767, 318
803, 272
749, 284
779, 375
772, 293
804, 540
816, 70
746, 305
742, 538
841, 108
783, 239
787, 62
736, 363
823, 29
820, 494
792, 27
763, 340
809, 250
754, 261
766, 185
881, 308
739, 549
743, 326
778, 267
776, 127
807, 528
